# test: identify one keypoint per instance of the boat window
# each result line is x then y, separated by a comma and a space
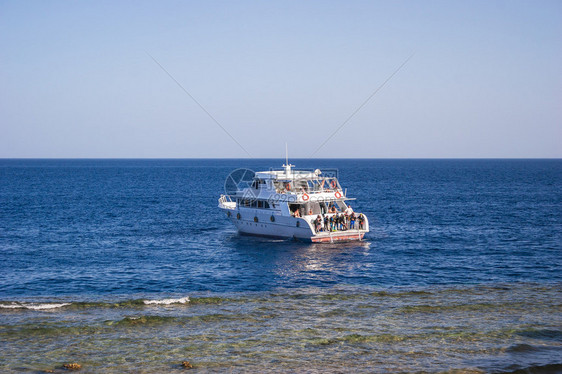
260, 204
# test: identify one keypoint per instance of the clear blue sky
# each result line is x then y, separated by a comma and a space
76, 80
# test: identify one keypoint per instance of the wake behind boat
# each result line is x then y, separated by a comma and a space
297, 204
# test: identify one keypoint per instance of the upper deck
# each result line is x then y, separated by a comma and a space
296, 182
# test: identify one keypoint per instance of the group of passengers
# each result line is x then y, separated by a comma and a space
339, 221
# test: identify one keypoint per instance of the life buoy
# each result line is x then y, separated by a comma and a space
305, 197
288, 186
333, 183
272, 219
255, 219
238, 216
337, 194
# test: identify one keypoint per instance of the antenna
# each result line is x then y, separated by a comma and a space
287, 166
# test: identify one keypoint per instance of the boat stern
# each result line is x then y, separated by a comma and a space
338, 236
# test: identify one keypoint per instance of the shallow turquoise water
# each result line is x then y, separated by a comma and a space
492, 328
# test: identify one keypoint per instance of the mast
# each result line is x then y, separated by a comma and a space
287, 166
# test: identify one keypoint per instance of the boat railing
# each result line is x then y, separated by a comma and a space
317, 186
226, 202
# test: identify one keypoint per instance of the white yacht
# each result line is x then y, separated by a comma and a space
298, 204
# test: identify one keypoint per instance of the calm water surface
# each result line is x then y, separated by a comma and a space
128, 266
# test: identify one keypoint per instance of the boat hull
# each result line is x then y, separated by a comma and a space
273, 229
281, 227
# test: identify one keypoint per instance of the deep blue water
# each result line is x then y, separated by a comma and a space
94, 228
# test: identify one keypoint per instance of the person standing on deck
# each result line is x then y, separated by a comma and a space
361, 221
318, 223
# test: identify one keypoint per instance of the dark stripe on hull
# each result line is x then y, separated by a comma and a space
264, 235
323, 239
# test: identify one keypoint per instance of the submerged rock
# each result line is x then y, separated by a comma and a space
72, 366
186, 365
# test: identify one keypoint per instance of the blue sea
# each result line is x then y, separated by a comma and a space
128, 266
